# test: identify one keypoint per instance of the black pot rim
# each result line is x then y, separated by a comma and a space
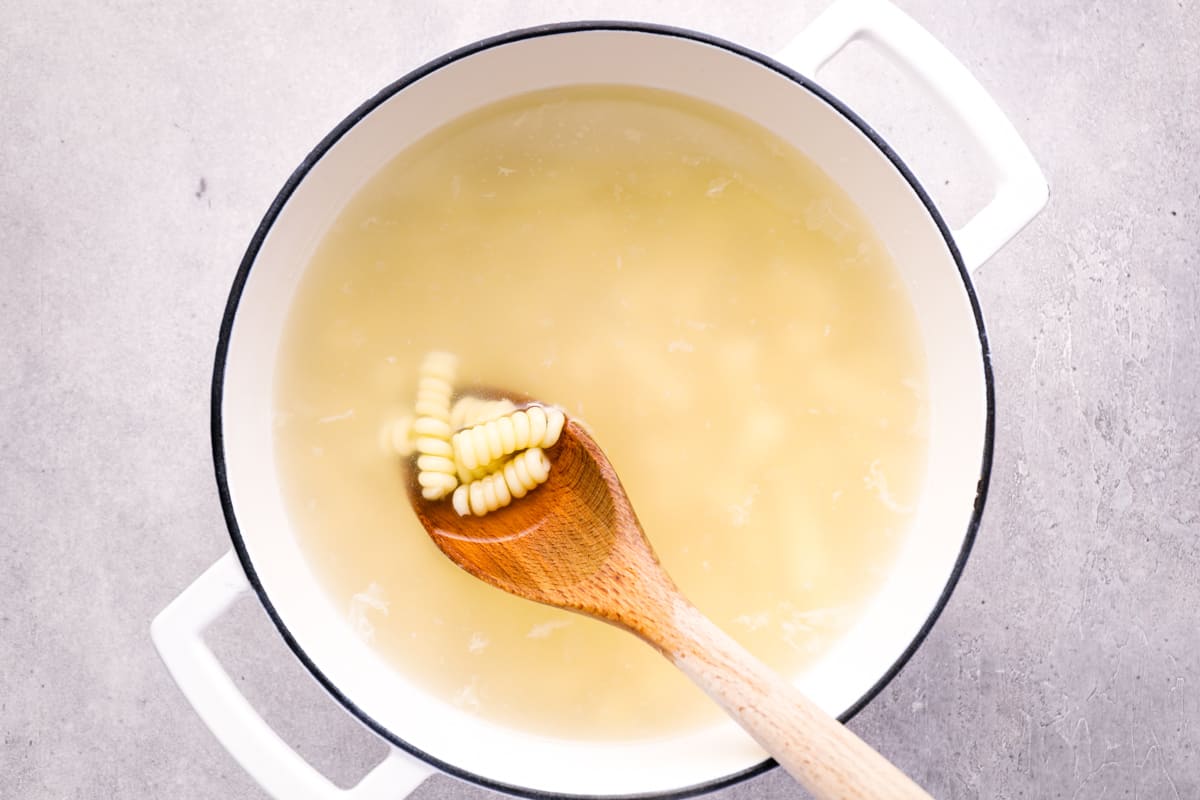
352, 119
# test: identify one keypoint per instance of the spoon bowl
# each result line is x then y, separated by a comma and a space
575, 542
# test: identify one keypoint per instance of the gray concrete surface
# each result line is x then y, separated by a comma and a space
141, 142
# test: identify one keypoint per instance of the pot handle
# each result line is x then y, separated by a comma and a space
1021, 189
178, 631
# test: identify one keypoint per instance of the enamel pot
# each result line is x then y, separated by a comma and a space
427, 734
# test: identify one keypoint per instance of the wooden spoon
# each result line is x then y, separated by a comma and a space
576, 543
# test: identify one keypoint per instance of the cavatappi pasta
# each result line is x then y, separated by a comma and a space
487, 442
485, 452
431, 430
470, 410
519, 475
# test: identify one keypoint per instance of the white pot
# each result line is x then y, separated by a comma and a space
425, 732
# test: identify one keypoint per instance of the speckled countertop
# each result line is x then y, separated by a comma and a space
140, 143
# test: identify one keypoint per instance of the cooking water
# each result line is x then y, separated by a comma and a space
701, 295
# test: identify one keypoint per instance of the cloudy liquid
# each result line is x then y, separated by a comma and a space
693, 288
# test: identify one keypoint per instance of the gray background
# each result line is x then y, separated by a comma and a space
141, 142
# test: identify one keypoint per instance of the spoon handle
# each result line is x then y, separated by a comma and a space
817, 750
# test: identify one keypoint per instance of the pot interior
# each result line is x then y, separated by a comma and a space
959, 432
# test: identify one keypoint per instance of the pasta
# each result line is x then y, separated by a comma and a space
480, 445
482, 452
470, 410
436, 470
398, 436
520, 474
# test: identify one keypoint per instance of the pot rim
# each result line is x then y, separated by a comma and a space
353, 119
